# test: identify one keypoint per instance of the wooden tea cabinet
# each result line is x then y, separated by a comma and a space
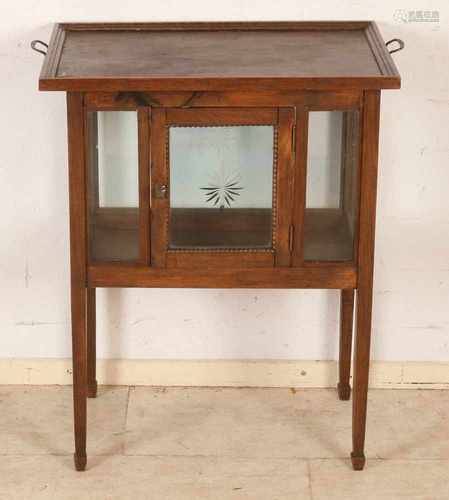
222, 155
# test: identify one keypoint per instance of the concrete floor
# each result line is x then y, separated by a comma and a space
189, 443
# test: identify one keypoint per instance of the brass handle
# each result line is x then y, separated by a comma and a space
400, 43
35, 44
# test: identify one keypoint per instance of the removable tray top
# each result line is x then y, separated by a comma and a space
217, 56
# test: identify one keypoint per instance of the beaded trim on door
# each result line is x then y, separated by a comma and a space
223, 188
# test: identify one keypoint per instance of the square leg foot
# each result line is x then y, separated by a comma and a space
358, 461
80, 462
92, 389
344, 391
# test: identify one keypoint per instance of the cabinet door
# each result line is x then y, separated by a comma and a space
116, 186
332, 186
220, 186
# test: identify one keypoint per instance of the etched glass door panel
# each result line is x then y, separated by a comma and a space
113, 204
332, 185
221, 187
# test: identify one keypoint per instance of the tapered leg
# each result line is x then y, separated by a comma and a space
79, 355
91, 344
78, 262
368, 184
346, 323
361, 374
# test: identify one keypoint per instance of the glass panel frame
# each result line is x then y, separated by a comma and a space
282, 120
331, 228
116, 217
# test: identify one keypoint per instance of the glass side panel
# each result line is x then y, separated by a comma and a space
332, 185
221, 187
113, 171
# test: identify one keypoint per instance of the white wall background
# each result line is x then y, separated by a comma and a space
411, 311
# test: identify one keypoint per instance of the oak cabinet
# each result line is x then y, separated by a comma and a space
222, 155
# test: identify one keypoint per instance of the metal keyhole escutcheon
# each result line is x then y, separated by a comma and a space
161, 191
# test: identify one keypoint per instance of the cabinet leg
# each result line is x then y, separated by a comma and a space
361, 374
346, 323
79, 354
367, 217
78, 261
91, 343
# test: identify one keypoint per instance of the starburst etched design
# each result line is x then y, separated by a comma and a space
223, 189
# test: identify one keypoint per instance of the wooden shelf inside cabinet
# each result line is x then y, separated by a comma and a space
222, 155
327, 236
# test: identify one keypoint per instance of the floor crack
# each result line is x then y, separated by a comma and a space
130, 387
309, 475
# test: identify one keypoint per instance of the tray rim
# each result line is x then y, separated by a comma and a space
49, 80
